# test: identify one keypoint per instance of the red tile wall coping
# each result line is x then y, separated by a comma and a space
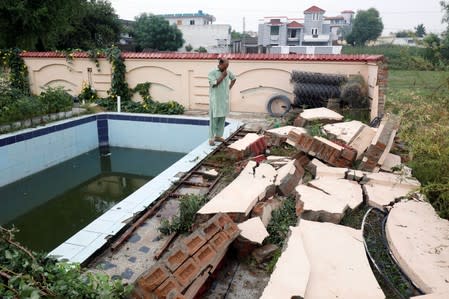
212, 56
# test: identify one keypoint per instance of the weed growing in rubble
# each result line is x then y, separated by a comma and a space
182, 223
281, 220
284, 150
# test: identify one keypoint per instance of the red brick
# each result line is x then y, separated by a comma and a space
204, 255
175, 294
223, 219
153, 278
211, 228
194, 242
177, 256
187, 272
193, 289
232, 230
219, 241
349, 154
166, 287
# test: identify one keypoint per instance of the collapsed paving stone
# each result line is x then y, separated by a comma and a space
288, 177
349, 192
318, 169
381, 144
190, 261
240, 196
419, 240
322, 115
362, 140
278, 136
250, 144
291, 273
253, 230
432, 296
344, 131
339, 267
384, 188
319, 206
391, 161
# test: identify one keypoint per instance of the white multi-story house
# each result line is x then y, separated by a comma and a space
198, 31
314, 34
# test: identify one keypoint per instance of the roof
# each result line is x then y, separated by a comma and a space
214, 56
199, 14
294, 24
347, 11
314, 9
275, 22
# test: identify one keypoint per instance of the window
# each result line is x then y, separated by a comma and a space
274, 30
315, 16
178, 22
192, 22
314, 31
293, 33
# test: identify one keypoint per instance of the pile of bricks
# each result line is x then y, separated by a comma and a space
188, 264
323, 149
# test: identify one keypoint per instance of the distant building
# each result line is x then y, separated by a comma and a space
198, 31
248, 44
315, 34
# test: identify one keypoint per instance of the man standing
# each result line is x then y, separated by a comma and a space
220, 82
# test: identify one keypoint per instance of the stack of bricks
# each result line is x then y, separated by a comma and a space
381, 143
189, 263
323, 149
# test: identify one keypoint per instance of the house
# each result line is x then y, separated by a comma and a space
198, 31
314, 34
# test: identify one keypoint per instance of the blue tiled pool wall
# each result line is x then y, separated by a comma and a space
22, 154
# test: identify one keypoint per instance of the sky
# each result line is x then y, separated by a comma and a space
396, 14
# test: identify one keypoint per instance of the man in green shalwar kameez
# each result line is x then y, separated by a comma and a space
220, 82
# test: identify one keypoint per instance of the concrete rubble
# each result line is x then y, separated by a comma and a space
381, 144
250, 144
263, 209
291, 273
419, 240
278, 136
253, 230
235, 199
322, 115
288, 177
339, 266
320, 206
391, 161
344, 131
349, 192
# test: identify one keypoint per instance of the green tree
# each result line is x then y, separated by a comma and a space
57, 24
420, 30
155, 33
94, 25
32, 24
367, 26
238, 35
404, 33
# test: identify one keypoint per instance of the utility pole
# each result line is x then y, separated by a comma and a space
243, 37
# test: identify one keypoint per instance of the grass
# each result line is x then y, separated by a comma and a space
421, 98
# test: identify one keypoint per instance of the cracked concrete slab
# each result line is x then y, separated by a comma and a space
253, 230
419, 240
349, 192
244, 192
338, 262
292, 270
319, 206
344, 131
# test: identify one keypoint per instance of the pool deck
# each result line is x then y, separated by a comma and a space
91, 238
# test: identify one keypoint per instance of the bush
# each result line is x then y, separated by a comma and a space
87, 94
56, 99
27, 274
281, 220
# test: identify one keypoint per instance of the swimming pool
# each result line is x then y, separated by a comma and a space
29, 151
